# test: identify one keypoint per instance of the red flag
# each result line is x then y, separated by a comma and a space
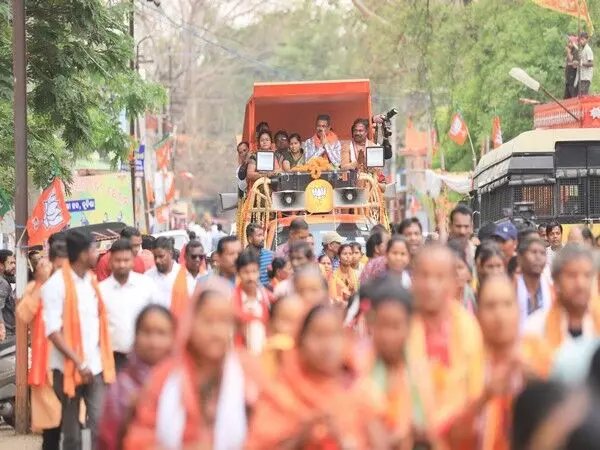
169, 187
50, 214
496, 133
574, 8
163, 154
458, 129
162, 214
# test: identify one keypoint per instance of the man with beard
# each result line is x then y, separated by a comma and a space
354, 152
255, 236
166, 270
461, 227
325, 143
133, 235
8, 267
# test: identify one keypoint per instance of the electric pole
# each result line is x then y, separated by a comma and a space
21, 213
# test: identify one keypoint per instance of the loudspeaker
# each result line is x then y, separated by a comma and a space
228, 201
349, 198
288, 201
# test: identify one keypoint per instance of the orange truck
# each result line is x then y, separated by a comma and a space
348, 202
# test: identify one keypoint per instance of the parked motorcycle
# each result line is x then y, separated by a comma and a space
8, 380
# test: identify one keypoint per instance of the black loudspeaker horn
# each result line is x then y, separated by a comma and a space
349, 198
288, 201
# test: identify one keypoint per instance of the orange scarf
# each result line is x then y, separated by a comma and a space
295, 396
72, 335
180, 296
331, 138
39, 343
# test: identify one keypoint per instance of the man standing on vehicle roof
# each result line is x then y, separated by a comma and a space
324, 143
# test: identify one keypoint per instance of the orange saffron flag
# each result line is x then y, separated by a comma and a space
163, 154
575, 8
50, 214
496, 133
458, 129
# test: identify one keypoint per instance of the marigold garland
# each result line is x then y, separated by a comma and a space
315, 166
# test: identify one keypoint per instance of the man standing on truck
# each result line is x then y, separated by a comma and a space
586, 65
324, 143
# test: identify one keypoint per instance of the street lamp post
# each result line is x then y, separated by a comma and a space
523, 77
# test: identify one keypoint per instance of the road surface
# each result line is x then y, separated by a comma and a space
9, 441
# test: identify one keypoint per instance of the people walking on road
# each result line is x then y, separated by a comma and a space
255, 235
164, 273
125, 294
76, 323
187, 277
154, 337
133, 235
8, 268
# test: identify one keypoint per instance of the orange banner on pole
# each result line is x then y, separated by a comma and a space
575, 8
458, 129
496, 133
50, 214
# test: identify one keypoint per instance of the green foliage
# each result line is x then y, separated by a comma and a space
79, 82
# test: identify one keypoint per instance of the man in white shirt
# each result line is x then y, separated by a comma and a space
570, 317
165, 271
554, 232
204, 232
125, 294
586, 65
81, 346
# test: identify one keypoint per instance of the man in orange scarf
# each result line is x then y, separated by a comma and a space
45, 406
77, 325
447, 339
571, 314
324, 144
520, 358
187, 277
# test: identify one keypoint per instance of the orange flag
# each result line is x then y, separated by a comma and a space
50, 214
575, 8
169, 187
163, 154
458, 129
496, 133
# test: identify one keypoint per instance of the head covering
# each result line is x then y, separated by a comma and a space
332, 236
506, 231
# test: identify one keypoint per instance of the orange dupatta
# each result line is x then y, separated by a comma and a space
553, 329
72, 335
180, 296
295, 397
460, 381
497, 412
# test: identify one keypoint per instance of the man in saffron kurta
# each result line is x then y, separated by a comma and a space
447, 338
77, 325
572, 315
325, 143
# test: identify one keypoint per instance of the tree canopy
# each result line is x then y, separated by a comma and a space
79, 83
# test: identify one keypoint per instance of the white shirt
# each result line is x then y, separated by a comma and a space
535, 325
586, 56
53, 298
123, 304
164, 283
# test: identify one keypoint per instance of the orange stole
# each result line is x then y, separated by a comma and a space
295, 397
72, 335
271, 358
455, 385
553, 327
497, 412
180, 296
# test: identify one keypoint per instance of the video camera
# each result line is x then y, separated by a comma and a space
387, 133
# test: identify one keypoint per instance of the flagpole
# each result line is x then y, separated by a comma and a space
472, 150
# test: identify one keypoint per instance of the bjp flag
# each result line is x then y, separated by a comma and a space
496, 133
458, 129
574, 8
50, 214
169, 187
163, 154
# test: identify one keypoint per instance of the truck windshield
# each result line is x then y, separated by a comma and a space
353, 232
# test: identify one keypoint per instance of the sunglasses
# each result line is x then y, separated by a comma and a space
199, 257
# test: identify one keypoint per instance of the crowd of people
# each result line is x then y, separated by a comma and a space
579, 66
458, 342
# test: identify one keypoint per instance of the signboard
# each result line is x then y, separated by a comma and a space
100, 198
139, 162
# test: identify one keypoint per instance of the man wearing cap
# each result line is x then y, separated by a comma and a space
506, 235
586, 65
331, 246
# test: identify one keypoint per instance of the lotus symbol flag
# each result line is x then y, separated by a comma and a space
50, 214
458, 129
319, 193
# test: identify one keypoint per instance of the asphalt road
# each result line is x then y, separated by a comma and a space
10, 441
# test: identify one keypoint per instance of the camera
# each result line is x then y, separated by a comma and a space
387, 133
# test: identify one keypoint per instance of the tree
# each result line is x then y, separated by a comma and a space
79, 83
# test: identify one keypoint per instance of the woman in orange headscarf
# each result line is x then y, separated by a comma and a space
203, 395
314, 403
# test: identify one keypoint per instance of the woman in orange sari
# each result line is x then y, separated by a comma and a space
200, 397
315, 403
505, 353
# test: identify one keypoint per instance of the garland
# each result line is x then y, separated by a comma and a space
315, 166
